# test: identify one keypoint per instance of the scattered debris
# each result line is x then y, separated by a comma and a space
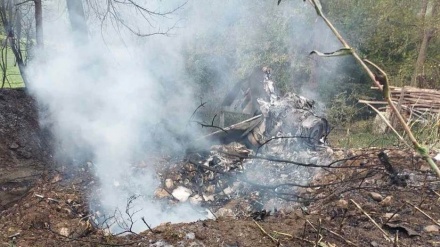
181, 193
401, 228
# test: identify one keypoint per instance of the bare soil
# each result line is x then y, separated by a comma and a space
44, 205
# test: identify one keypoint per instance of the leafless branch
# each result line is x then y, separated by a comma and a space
27, 1
113, 14
211, 125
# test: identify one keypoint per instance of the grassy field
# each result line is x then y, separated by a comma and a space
360, 135
12, 71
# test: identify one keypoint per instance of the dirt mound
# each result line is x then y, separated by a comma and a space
353, 201
24, 146
357, 204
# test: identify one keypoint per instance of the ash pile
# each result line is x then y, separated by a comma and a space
258, 164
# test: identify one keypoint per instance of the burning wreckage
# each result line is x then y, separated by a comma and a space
259, 163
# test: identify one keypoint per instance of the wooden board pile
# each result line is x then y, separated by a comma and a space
414, 103
416, 100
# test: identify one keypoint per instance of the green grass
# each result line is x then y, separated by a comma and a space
362, 139
360, 135
12, 72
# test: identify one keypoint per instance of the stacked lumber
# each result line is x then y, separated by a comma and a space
412, 100
417, 99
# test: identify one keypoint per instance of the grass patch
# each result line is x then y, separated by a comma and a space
14, 79
360, 135
341, 139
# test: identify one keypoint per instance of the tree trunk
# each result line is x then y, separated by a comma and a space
428, 34
77, 20
39, 24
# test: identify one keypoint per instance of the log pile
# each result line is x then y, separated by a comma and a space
414, 103
416, 100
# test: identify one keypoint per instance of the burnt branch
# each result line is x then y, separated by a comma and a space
211, 125
128, 223
275, 159
149, 228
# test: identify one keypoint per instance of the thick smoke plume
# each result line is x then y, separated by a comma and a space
118, 99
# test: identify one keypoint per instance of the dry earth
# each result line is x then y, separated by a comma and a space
354, 202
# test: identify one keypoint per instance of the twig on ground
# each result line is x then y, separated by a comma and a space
149, 228
283, 234
425, 214
339, 236
372, 220
319, 237
391, 217
276, 241
396, 239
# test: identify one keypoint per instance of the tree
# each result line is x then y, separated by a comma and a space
429, 32
39, 24
11, 18
77, 19
149, 23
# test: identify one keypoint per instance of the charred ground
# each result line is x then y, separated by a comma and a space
43, 204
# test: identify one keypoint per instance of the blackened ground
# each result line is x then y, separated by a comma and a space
24, 147
341, 211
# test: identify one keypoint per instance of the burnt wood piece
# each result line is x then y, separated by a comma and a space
395, 177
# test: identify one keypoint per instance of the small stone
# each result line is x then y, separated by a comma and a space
376, 196
374, 244
190, 235
181, 193
169, 184
425, 167
107, 232
228, 191
210, 189
14, 145
64, 232
208, 198
387, 201
284, 176
161, 193
339, 154
431, 228
437, 157
224, 212
342, 204
329, 151
387, 217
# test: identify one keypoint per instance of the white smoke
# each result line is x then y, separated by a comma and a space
106, 99
110, 99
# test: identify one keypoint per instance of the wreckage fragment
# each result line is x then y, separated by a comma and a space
290, 117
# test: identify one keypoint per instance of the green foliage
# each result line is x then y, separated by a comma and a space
428, 130
388, 32
12, 77
361, 139
342, 110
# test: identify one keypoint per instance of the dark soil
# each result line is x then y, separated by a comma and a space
52, 210
24, 146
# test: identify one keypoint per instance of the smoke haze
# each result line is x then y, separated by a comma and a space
119, 98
